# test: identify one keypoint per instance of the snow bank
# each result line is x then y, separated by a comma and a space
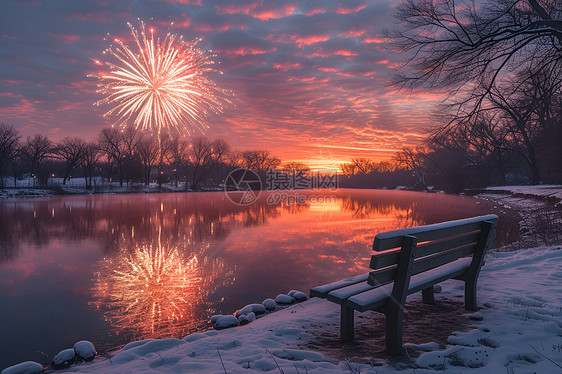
547, 191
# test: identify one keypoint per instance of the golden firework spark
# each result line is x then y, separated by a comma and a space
160, 84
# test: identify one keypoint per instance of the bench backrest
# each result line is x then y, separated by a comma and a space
437, 244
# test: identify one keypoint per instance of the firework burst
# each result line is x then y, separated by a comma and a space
160, 84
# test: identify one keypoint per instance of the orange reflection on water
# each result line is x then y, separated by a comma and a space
157, 290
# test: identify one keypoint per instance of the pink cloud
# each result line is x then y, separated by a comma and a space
185, 2
349, 10
265, 13
237, 8
246, 50
373, 40
287, 65
308, 40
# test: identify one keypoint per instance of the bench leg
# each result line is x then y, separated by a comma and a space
394, 330
346, 324
427, 296
470, 294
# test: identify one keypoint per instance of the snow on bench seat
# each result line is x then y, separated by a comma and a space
322, 291
377, 295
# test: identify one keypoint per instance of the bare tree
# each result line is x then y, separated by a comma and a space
414, 160
35, 152
90, 159
148, 152
113, 145
348, 168
451, 43
9, 146
295, 166
165, 145
200, 156
260, 161
178, 157
499, 58
71, 151
131, 138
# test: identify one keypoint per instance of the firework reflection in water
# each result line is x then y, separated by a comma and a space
155, 290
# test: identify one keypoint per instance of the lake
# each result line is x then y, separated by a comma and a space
113, 268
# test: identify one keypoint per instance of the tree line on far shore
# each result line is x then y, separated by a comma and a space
126, 156
448, 161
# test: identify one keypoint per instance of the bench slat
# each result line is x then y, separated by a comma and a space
435, 247
442, 258
322, 291
376, 297
382, 276
393, 239
341, 294
382, 260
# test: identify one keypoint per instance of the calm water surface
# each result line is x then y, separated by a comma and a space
112, 268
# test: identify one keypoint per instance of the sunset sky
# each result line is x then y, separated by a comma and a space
309, 76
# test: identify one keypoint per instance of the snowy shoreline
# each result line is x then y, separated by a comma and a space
518, 328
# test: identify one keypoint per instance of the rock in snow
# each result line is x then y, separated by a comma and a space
284, 299
84, 350
269, 304
244, 319
27, 367
255, 308
64, 358
223, 322
437, 288
297, 295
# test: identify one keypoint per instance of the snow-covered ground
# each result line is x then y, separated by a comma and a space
518, 329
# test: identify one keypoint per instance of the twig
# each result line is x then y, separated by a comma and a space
221, 361
548, 358
274, 360
373, 366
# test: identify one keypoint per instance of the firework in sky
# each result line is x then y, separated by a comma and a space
156, 84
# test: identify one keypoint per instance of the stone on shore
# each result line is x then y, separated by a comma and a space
84, 350
27, 367
284, 299
64, 358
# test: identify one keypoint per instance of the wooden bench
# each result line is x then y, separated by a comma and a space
411, 260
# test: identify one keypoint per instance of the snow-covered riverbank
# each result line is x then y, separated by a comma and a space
540, 208
518, 329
